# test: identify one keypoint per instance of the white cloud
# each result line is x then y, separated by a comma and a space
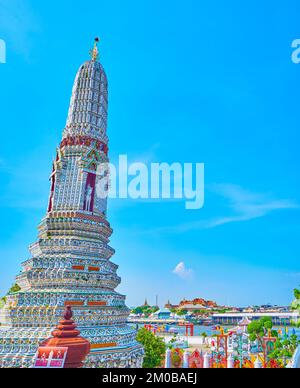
243, 204
246, 205
182, 271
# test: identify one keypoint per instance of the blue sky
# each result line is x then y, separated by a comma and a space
211, 83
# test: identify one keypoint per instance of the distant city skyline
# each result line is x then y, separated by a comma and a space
190, 83
152, 302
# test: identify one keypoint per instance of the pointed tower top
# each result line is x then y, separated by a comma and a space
95, 51
89, 101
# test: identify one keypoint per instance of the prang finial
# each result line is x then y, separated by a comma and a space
95, 52
68, 313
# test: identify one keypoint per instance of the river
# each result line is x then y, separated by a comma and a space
199, 330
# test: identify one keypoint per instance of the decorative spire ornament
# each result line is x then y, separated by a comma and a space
95, 51
66, 335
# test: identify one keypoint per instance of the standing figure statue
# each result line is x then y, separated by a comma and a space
88, 198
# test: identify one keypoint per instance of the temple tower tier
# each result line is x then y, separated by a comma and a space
70, 263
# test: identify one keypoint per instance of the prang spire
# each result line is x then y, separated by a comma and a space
88, 110
95, 51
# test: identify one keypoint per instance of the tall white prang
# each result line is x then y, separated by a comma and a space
70, 264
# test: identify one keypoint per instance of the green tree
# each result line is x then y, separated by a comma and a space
14, 289
138, 311
146, 310
284, 349
296, 303
2, 302
172, 342
297, 293
181, 313
258, 329
154, 347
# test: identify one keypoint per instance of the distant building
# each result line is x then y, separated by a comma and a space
279, 319
197, 304
162, 314
146, 304
170, 306
266, 309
